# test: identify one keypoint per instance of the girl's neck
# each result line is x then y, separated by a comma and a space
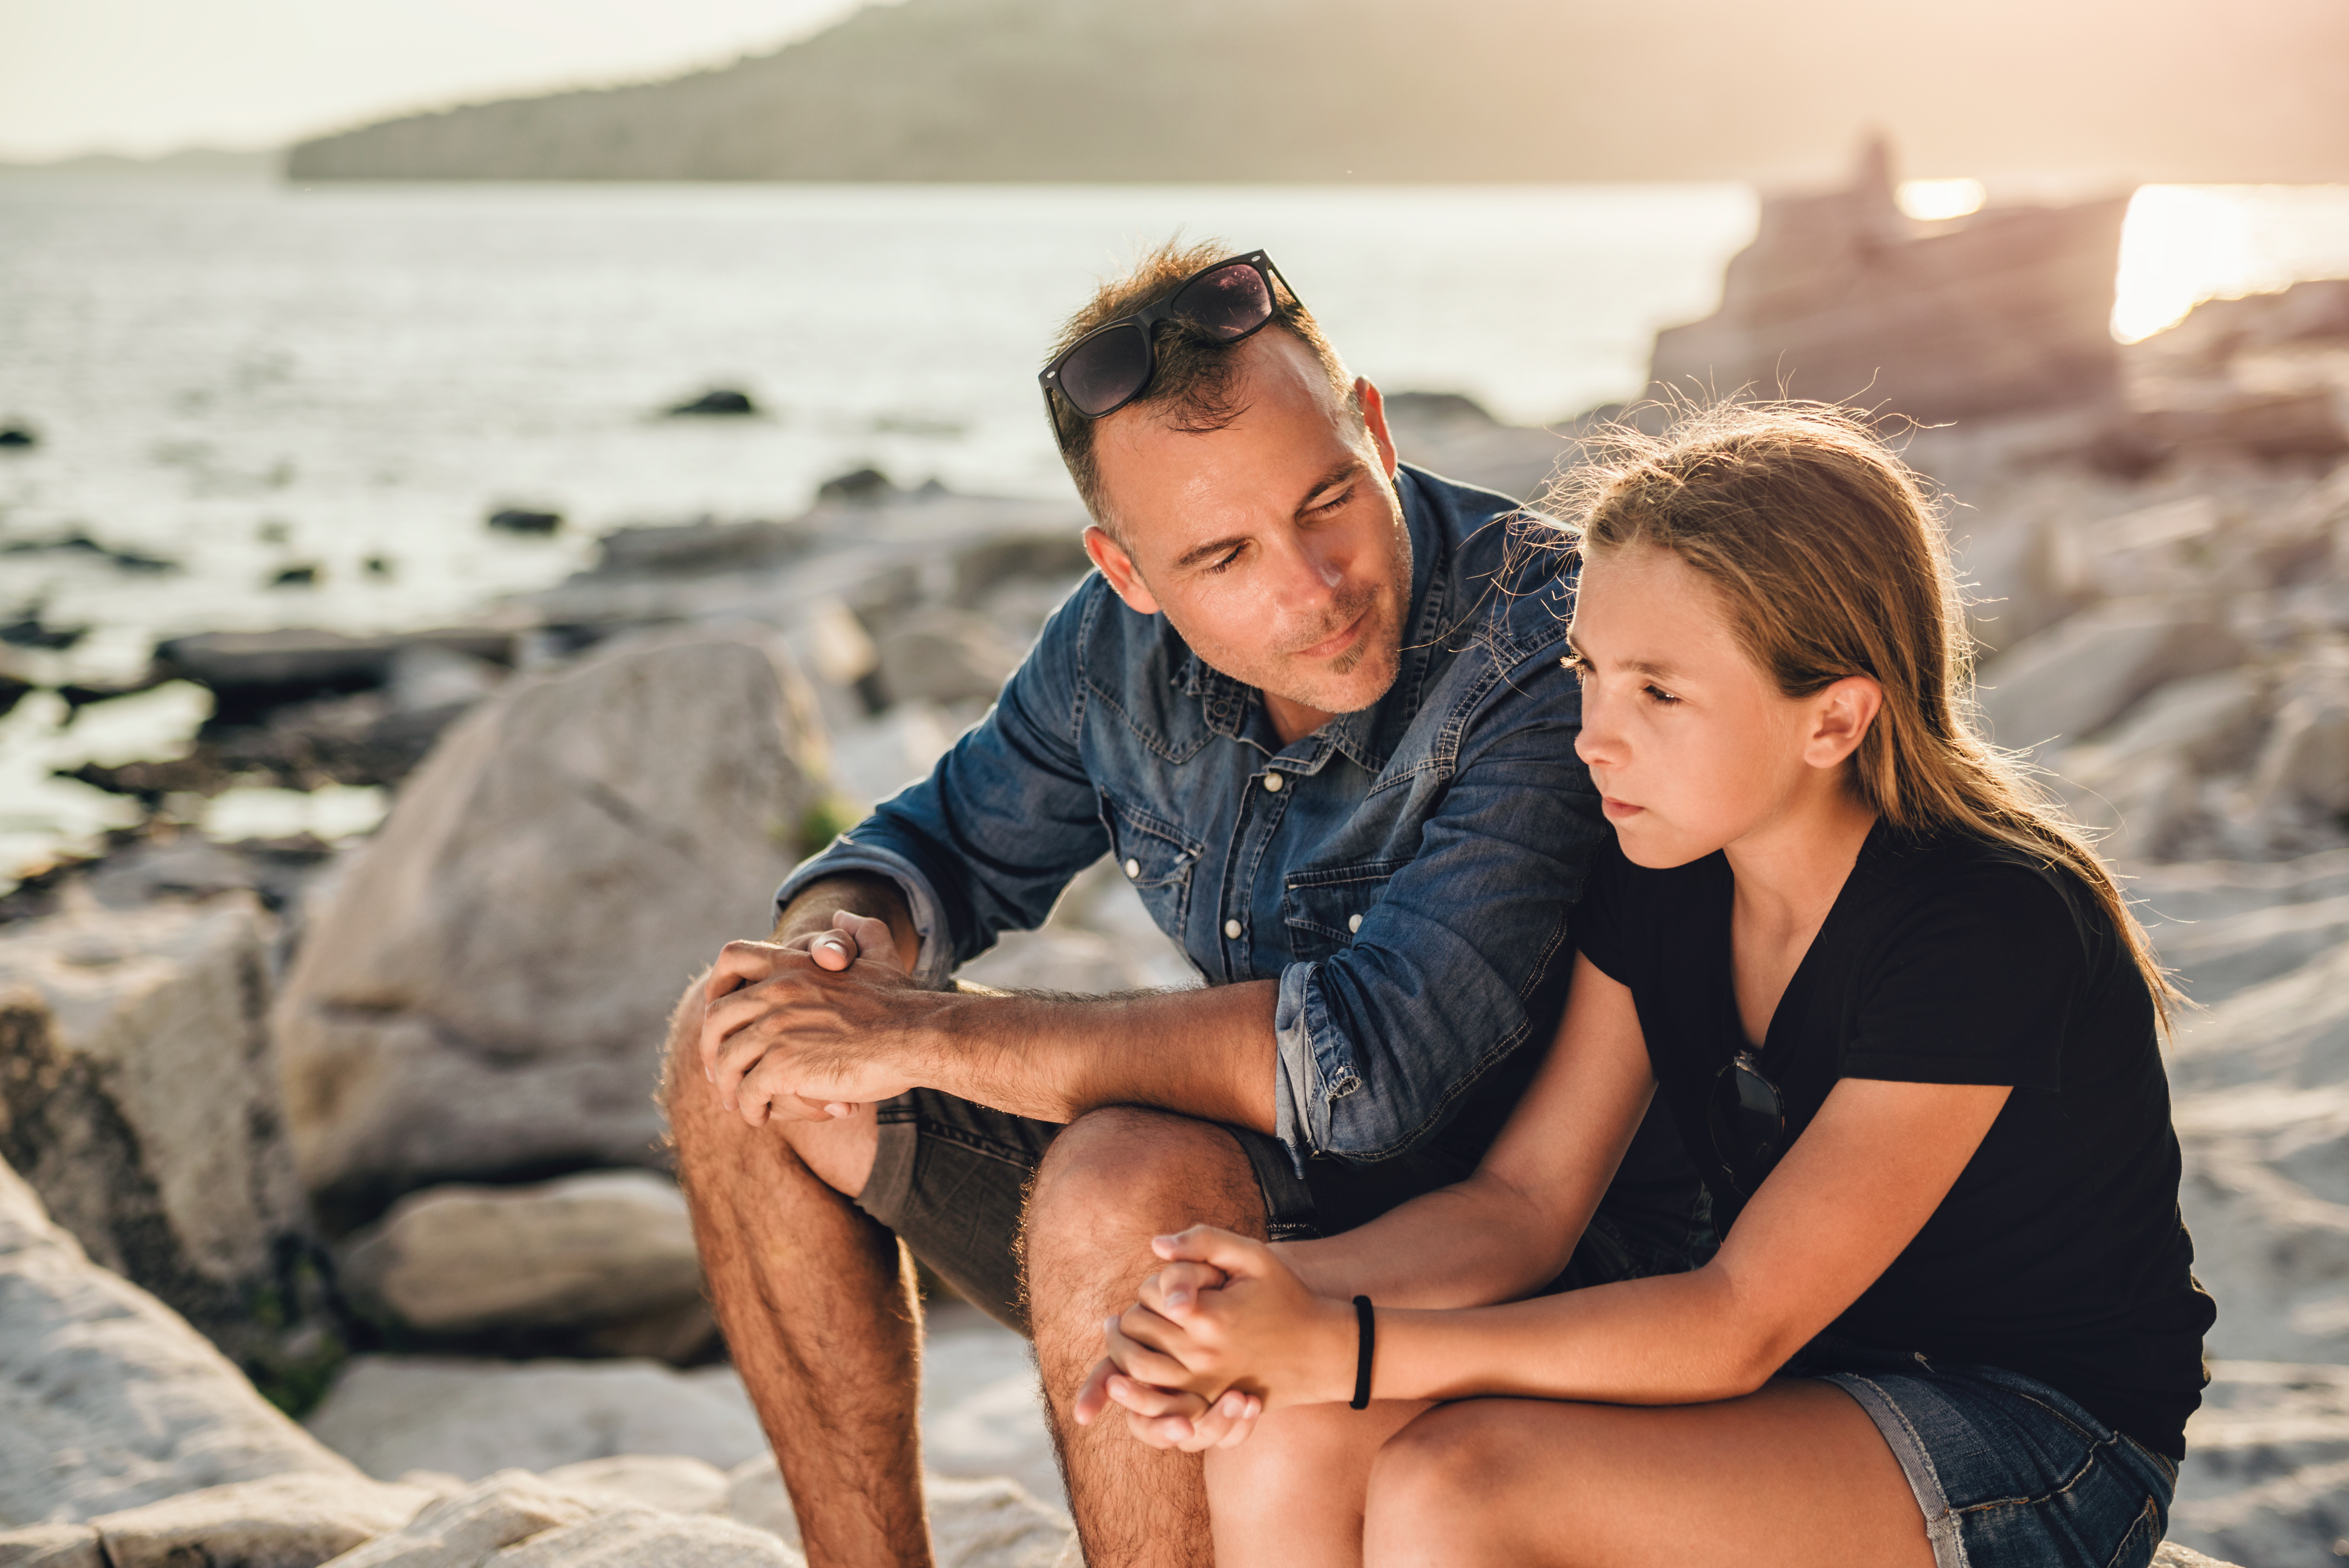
1788, 872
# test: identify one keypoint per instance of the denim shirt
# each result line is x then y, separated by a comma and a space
1404, 873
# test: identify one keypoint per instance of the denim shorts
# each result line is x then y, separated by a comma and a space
950, 1178
2007, 1472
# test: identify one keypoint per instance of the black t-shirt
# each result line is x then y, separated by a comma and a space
2060, 1253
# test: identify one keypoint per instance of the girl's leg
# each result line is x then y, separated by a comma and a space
1794, 1476
1291, 1496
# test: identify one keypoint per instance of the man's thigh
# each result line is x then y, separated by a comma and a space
951, 1178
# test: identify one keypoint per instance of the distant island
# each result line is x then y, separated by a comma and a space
2086, 92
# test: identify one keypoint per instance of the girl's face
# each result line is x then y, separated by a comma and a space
1692, 748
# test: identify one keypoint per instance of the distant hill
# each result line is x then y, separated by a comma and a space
2098, 90
194, 164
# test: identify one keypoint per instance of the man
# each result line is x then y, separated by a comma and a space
1311, 706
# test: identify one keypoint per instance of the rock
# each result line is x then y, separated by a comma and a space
994, 1522
1841, 296
694, 548
80, 543
2266, 1478
642, 806
138, 1096
670, 1483
17, 436
2220, 418
523, 519
463, 1530
2170, 1554
2139, 783
858, 487
109, 1400
2071, 680
2217, 329
285, 1521
640, 1538
302, 575
604, 1261
252, 672
717, 400
427, 678
945, 657
392, 1415
2305, 762
1454, 435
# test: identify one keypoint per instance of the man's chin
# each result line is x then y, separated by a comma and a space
1331, 691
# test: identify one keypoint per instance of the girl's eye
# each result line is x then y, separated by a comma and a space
1659, 695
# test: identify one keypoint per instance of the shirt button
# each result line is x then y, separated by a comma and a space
1132, 869
1232, 929
1272, 782
1353, 922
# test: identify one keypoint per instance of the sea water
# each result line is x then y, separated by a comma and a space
308, 400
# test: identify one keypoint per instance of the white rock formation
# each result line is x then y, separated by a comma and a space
605, 1258
138, 1096
108, 1399
485, 996
2073, 679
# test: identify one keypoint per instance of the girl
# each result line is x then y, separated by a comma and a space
1908, 1032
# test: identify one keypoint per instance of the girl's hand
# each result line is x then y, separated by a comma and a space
1260, 1331
1168, 1418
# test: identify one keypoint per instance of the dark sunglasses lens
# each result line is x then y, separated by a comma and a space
1106, 369
1227, 303
1747, 1121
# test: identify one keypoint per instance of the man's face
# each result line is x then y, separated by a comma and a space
1276, 545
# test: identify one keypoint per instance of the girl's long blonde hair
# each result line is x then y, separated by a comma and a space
1833, 563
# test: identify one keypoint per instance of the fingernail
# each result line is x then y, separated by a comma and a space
1178, 1298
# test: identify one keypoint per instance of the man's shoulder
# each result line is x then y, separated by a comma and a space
1508, 574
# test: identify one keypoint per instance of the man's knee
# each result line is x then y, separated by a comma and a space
681, 1053
1118, 1176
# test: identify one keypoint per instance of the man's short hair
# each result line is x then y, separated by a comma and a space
1191, 389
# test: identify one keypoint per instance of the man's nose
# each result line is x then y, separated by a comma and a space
1317, 570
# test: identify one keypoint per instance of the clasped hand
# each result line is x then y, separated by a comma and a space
1222, 1333
811, 1028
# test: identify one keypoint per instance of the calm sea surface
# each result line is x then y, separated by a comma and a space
244, 379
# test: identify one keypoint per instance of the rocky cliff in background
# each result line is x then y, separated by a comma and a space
1382, 90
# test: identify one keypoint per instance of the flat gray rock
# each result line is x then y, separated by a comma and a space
108, 1399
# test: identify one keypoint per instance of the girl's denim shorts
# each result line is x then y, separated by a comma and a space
2009, 1472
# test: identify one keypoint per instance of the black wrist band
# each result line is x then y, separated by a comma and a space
1370, 1338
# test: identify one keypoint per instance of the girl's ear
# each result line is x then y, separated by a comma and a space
1840, 716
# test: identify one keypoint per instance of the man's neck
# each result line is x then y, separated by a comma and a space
1292, 721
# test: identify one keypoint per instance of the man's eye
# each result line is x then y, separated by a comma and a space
1333, 503
1220, 567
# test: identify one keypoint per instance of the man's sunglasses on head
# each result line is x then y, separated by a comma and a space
1112, 366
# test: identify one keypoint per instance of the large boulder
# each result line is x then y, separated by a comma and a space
484, 997
108, 1399
602, 1263
2071, 680
138, 1096
286, 1522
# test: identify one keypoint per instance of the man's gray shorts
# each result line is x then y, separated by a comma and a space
950, 1178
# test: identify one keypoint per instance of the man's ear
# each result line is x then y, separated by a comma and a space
1840, 717
1118, 567
1374, 415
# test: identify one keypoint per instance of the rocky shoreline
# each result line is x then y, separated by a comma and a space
362, 1130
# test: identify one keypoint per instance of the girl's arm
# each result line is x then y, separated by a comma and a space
1508, 1230
1855, 1188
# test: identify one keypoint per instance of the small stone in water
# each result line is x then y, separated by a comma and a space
377, 565
518, 520
302, 576
17, 436
719, 400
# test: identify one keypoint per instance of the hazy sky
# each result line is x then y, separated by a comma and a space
152, 76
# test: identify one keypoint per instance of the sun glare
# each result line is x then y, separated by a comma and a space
2181, 245
1927, 200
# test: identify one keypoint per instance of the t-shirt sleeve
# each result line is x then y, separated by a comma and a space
1599, 920
1974, 985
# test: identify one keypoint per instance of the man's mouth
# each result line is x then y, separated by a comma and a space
1330, 647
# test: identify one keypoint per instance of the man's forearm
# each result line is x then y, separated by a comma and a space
1208, 1053
866, 893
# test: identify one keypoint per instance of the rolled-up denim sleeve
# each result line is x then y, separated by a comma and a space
1002, 823
1378, 1041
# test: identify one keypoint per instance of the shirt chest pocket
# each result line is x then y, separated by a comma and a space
1325, 910
1156, 857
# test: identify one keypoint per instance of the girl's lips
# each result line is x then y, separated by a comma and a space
1332, 647
1619, 810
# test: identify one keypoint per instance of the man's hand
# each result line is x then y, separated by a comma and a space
813, 1025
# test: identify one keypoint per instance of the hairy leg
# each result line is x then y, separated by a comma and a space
1795, 1476
1109, 1183
1292, 1495
818, 1307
